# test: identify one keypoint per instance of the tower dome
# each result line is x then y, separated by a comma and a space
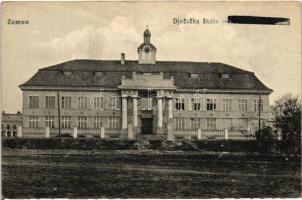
147, 35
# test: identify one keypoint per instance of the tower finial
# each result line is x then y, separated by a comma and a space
147, 26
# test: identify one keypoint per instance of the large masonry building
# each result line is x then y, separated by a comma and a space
160, 99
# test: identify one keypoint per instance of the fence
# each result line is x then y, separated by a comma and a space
217, 134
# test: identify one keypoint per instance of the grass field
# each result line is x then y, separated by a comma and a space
152, 174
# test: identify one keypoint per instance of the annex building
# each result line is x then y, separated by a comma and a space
144, 98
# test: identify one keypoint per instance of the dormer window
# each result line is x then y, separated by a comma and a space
225, 76
193, 75
98, 73
67, 73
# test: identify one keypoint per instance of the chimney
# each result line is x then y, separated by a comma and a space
122, 58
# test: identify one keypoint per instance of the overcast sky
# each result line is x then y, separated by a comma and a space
61, 31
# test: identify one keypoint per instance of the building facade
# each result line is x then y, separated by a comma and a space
10, 122
146, 97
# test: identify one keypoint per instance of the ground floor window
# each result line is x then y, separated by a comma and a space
113, 122
33, 122
180, 123
82, 122
211, 123
243, 123
195, 123
66, 122
50, 121
97, 122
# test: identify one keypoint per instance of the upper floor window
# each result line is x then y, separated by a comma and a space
243, 104
50, 102
33, 122
97, 103
113, 122
82, 102
112, 103
258, 105
66, 102
82, 122
211, 104
180, 123
179, 104
14, 126
211, 123
66, 122
33, 102
50, 121
227, 104
195, 123
196, 104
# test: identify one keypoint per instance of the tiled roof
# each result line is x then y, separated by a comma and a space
83, 74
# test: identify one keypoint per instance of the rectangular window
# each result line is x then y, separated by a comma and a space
66, 122
243, 123
82, 102
195, 123
211, 123
82, 122
113, 122
180, 123
50, 121
33, 102
211, 104
227, 104
243, 104
66, 102
256, 105
50, 102
112, 103
97, 122
180, 104
97, 103
196, 104
33, 122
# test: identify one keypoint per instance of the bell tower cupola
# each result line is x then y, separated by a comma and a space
146, 51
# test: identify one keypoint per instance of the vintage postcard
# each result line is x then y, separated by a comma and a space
148, 99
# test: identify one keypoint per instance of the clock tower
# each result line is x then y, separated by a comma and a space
146, 51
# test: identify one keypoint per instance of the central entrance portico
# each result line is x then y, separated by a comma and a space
144, 97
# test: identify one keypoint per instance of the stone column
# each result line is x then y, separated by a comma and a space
160, 112
130, 132
124, 113
170, 120
134, 112
170, 112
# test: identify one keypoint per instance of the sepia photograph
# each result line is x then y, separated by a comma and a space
149, 99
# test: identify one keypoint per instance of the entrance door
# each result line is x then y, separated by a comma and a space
147, 126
